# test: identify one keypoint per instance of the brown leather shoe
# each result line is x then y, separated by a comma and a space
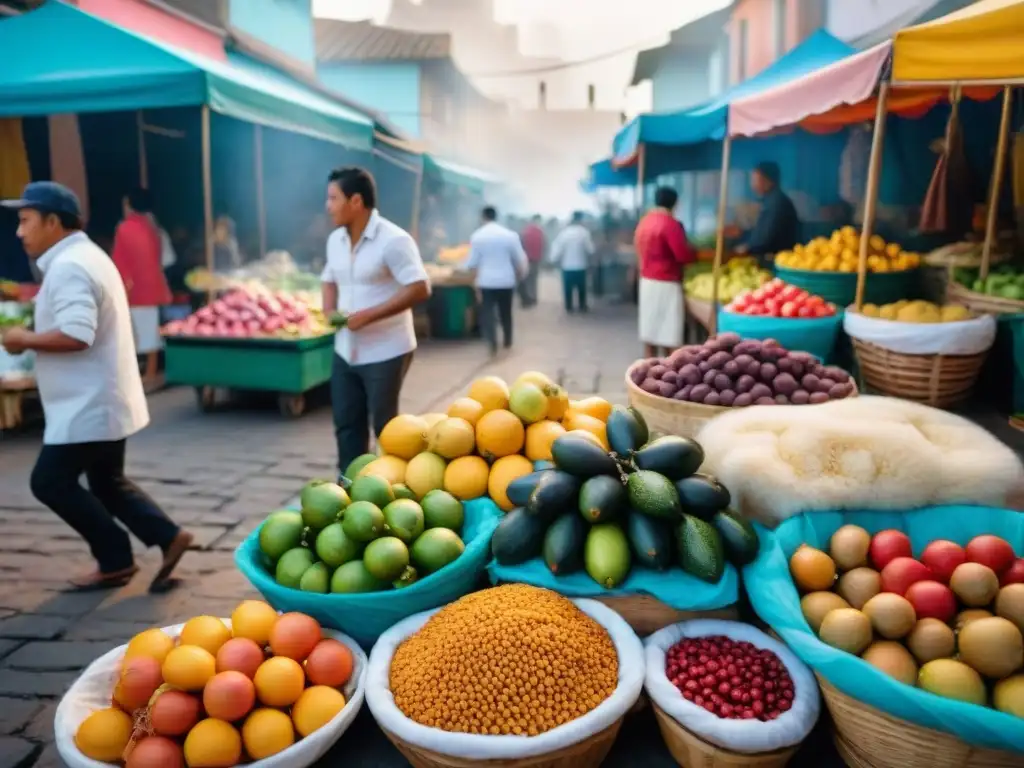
172, 555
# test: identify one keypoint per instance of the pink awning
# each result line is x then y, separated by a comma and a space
848, 81
157, 24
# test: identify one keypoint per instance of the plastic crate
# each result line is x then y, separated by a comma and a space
841, 287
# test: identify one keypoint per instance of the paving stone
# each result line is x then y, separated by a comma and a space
9, 646
40, 727
56, 656
16, 682
53, 603
33, 627
113, 632
19, 544
16, 713
49, 758
143, 607
17, 753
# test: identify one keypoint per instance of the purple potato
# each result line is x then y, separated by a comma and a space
690, 374
731, 369
818, 398
728, 339
704, 366
836, 373
713, 346
753, 368
653, 361
679, 358
667, 389
782, 400
800, 397
785, 365
769, 371
656, 371
818, 370
795, 367
727, 397
712, 398
709, 377
810, 382
651, 385
803, 357
771, 353
683, 393
743, 360
750, 347
703, 353
642, 368
825, 385
840, 390
784, 384
744, 383
722, 382
743, 399
760, 390
719, 359
670, 376
699, 392
765, 401
637, 376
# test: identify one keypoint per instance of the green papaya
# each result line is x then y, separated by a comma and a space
606, 555
602, 499
653, 494
555, 493
582, 457
702, 495
623, 431
738, 536
643, 433
518, 538
651, 541
672, 456
563, 544
519, 490
700, 549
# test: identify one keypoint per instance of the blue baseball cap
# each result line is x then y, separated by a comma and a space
46, 197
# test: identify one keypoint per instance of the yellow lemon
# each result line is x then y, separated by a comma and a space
504, 471
466, 408
466, 477
188, 667
539, 438
154, 643
491, 392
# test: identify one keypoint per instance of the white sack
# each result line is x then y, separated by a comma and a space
857, 453
963, 337
470, 746
93, 689
744, 736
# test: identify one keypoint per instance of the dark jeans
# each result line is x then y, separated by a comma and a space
528, 286
495, 305
111, 495
362, 395
574, 281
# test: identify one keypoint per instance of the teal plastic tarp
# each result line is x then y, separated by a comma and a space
457, 175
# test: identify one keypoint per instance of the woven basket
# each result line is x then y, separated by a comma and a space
981, 303
590, 752
647, 615
670, 417
936, 380
868, 738
692, 752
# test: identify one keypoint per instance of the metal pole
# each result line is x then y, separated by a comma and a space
261, 204
997, 181
140, 129
723, 209
204, 117
417, 193
871, 194
640, 168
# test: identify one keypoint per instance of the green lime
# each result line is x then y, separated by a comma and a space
409, 576
317, 578
386, 558
404, 519
373, 489
358, 463
280, 532
334, 547
353, 577
403, 491
363, 521
292, 565
322, 503
435, 549
442, 510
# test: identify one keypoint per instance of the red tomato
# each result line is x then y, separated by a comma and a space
822, 312
805, 311
759, 294
813, 301
789, 309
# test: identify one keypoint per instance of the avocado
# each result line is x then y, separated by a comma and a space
606, 555
519, 490
563, 544
643, 433
651, 541
540, 464
602, 499
653, 494
623, 431
554, 494
518, 537
738, 537
582, 457
672, 456
702, 495
700, 548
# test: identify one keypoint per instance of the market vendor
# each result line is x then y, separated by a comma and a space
777, 227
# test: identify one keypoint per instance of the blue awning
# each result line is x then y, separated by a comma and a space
604, 174
458, 175
708, 121
58, 59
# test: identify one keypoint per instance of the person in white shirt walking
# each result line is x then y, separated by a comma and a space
91, 391
496, 255
374, 275
572, 250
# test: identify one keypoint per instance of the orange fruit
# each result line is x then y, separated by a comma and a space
267, 732
466, 408
154, 643
189, 667
213, 744
316, 707
279, 681
207, 632
499, 433
104, 734
253, 620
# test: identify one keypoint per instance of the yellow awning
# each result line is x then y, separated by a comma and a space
983, 42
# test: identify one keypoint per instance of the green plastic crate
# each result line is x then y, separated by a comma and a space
840, 288
450, 311
266, 365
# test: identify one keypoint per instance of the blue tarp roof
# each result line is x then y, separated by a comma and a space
58, 59
604, 174
708, 121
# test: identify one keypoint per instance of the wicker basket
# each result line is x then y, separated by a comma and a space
670, 417
692, 752
646, 615
868, 738
981, 303
590, 752
936, 380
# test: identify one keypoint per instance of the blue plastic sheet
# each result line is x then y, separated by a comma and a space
775, 599
366, 616
674, 588
816, 335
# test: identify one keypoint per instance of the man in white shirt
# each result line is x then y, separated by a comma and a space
496, 255
374, 276
91, 390
572, 251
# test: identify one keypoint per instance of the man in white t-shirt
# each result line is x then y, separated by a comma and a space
375, 276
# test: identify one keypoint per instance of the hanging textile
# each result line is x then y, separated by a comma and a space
948, 205
67, 161
14, 170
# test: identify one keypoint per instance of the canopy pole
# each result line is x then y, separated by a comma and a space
417, 193
997, 181
871, 193
640, 168
140, 129
723, 209
261, 203
204, 118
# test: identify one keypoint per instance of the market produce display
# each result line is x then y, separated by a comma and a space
918, 312
255, 313
949, 621
374, 536
15, 314
643, 504
841, 253
1005, 281
738, 275
512, 660
728, 371
219, 694
277, 271
779, 299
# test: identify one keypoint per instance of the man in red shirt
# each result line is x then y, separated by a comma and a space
662, 251
534, 243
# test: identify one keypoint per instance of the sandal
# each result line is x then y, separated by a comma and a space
98, 580
172, 555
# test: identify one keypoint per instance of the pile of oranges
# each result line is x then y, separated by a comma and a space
217, 696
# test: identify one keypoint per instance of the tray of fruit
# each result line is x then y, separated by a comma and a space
737, 276
252, 314
922, 328
914, 618
1001, 291
725, 693
267, 690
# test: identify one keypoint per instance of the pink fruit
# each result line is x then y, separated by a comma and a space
932, 600
1014, 574
991, 551
942, 557
901, 572
887, 546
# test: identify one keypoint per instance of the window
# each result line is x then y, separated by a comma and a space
741, 51
780, 20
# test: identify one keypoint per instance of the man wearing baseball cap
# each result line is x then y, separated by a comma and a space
91, 390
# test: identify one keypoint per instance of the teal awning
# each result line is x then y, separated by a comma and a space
58, 59
458, 175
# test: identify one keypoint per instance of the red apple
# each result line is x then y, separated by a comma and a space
942, 557
932, 600
991, 551
901, 572
1015, 573
887, 546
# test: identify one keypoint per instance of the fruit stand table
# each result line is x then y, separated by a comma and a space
289, 367
12, 396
